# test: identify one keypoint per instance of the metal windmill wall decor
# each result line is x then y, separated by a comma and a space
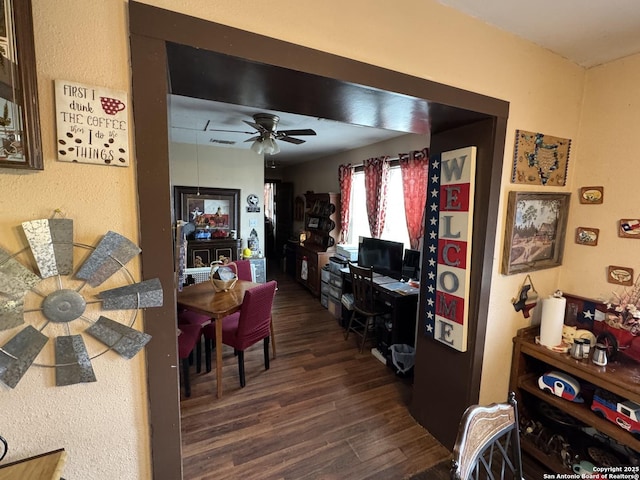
82, 297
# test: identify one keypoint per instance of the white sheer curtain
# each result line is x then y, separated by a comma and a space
395, 228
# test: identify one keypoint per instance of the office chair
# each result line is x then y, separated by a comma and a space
247, 327
364, 305
488, 443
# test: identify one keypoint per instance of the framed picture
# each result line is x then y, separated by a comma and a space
20, 141
215, 212
535, 231
592, 195
587, 236
620, 275
629, 227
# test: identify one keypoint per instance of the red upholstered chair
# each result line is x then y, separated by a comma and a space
244, 273
244, 270
248, 326
187, 317
188, 338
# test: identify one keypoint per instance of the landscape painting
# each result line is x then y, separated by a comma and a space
535, 231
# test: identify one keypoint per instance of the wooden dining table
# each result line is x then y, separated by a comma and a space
202, 298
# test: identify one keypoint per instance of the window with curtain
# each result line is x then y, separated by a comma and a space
395, 228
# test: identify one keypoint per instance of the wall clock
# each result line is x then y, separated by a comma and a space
69, 303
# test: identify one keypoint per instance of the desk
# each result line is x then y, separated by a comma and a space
47, 466
202, 298
403, 309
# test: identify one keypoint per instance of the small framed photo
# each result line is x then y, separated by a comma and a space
535, 231
620, 275
629, 228
592, 195
587, 236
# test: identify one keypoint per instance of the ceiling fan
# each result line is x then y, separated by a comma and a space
266, 133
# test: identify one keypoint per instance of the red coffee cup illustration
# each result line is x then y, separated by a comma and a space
111, 105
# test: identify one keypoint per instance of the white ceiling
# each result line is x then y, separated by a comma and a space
189, 116
588, 33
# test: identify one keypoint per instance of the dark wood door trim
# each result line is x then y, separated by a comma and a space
150, 28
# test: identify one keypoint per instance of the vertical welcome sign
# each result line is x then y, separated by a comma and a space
447, 246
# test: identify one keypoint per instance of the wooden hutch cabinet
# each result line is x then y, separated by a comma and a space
322, 226
530, 361
207, 251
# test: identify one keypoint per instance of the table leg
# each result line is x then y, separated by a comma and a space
219, 356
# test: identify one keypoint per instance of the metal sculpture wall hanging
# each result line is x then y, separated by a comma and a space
58, 289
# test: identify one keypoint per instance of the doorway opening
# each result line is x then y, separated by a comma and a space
270, 222
252, 59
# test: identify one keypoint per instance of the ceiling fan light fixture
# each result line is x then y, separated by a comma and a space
258, 146
270, 146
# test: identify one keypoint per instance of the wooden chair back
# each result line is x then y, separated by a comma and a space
363, 289
488, 443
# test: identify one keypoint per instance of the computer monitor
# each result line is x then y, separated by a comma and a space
411, 265
384, 256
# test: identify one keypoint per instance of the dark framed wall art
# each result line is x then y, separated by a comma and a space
20, 141
214, 212
535, 231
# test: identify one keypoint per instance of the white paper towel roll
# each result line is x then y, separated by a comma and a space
552, 321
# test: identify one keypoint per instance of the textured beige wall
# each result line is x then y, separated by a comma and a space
223, 168
104, 425
608, 157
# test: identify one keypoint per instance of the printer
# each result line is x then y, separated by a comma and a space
348, 252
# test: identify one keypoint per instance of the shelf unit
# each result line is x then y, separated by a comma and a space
322, 225
531, 360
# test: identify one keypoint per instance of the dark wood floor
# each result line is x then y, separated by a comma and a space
322, 411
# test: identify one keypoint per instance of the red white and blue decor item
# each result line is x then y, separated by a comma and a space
447, 246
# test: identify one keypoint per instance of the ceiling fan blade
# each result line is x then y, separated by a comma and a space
257, 126
297, 133
297, 141
252, 139
229, 131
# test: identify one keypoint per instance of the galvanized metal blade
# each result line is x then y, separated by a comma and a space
17, 355
121, 338
73, 364
51, 242
15, 278
139, 295
11, 313
110, 255
62, 237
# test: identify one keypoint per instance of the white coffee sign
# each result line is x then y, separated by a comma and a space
92, 124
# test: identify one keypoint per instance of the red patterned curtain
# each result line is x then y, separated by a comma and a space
345, 177
376, 178
414, 167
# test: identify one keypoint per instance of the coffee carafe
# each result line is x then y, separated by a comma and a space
577, 349
600, 354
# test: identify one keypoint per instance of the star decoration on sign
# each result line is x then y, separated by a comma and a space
431, 249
